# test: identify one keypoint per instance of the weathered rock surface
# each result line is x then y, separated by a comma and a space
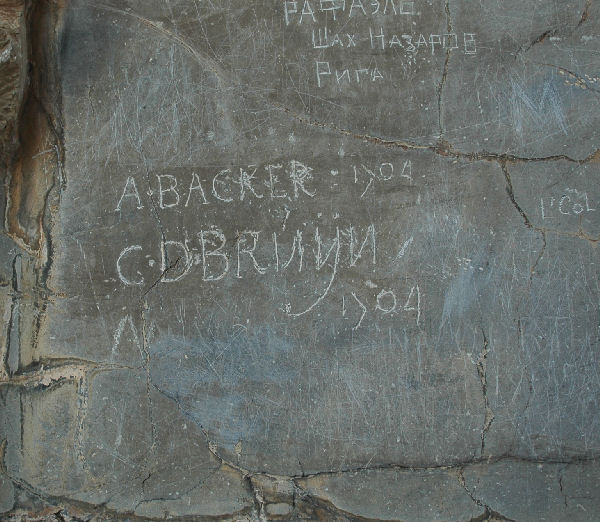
279, 260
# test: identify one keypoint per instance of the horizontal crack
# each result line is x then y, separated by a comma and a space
451, 467
213, 448
46, 373
442, 147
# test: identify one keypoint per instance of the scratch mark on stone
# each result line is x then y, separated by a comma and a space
404, 248
202, 60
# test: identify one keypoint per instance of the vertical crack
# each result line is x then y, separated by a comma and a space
561, 485
463, 483
82, 410
540, 254
482, 371
7, 320
259, 501
440, 88
511, 194
3, 445
10, 352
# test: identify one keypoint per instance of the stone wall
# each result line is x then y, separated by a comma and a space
281, 260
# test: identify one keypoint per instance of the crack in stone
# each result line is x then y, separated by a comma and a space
580, 234
586, 13
442, 147
533, 269
488, 512
259, 501
580, 82
82, 411
162, 275
560, 484
50, 372
511, 194
76, 508
441, 467
440, 88
179, 494
328, 508
3, 445
542, 37
72, 508
258, 498
482, 371
213, 448
13, 317
154, 206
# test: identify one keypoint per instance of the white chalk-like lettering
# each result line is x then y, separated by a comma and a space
242, 240
217, 180
300, 174
170, 189
273, 180
217, 251
125, 321
183, 259
196, 186
130, 191
391, 301
369, 236
125, 253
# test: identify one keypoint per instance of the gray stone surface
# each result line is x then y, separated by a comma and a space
396, 494
7, 495
532, 491
270, 260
